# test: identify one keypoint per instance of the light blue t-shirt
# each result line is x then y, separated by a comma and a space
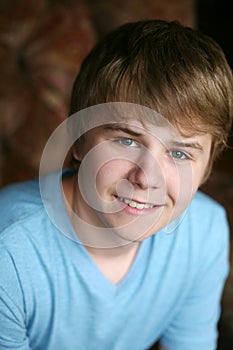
53, 296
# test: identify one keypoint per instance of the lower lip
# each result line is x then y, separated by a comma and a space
135, 211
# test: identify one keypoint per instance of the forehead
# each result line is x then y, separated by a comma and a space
130, 115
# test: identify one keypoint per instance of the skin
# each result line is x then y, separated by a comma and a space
130, 161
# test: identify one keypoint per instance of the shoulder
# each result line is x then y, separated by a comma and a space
23, 216
15, 194
26, 217
205, 209
19, 201
26, 231
203, 215
202, 200
24, 236
198, 261
209, 229
203, 229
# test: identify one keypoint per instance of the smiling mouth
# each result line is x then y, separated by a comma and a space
134, 204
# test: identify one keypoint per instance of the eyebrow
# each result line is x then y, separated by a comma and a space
194, 145
116, 127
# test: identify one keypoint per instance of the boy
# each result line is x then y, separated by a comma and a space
123, 250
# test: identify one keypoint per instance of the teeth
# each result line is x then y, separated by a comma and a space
134, 204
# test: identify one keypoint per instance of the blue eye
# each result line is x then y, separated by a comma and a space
127, 142
176, 154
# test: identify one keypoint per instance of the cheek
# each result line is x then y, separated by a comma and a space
106, 175
96, 165
111, 174
98, 183
180, 188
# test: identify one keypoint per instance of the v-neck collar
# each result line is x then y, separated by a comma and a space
101, 281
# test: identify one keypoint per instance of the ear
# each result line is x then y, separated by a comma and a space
78, 149
76, 155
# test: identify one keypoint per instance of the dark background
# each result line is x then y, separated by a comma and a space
214, 17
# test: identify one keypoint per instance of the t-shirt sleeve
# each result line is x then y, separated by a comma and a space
13, 334
194, 326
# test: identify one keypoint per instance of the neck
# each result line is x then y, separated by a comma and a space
115, 258
115, 252
114, 263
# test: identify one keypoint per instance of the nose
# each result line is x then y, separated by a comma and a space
146, 172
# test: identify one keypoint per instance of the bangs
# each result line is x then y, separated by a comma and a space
183, 107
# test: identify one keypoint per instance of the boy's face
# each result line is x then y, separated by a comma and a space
136, 178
